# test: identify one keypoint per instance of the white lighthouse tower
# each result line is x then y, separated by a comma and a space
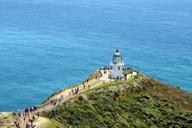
117, 65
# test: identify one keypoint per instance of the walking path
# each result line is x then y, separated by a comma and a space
67, 94
60, 98
42, 121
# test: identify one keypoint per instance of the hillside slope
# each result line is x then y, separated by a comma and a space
140, 102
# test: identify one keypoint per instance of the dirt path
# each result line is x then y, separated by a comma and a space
41, 121
67, 95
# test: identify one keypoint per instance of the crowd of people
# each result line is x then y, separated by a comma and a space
30, 123
106, 68
27, 120
84, 85
75, 91
56, 101
53, 102
26, 115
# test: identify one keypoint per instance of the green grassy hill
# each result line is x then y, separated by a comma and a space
140, 102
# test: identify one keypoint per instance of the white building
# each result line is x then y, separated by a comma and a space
117, 65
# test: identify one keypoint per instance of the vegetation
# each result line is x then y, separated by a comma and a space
46, 123
6, 119
128, 71
138, 103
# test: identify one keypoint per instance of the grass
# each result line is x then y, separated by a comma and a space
6, 119
126, 72
46, 123
106, 85
49, 125
4, 115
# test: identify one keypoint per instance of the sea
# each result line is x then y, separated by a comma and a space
47, 45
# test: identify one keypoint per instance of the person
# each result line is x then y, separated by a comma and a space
33, 118
19, 114
23, 114
17, 125
77, 89
27, 125
38, 115
62, 97
31, 121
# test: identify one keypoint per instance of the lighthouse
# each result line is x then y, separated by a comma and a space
117, 66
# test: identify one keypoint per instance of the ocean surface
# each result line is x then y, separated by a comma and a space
46, 45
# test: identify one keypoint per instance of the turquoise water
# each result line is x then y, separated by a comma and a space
46, 45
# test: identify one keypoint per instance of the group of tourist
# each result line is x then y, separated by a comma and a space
75, 91
30, 109
29, 121
106, 68
56, 101
53, 102
18, 114
84, 85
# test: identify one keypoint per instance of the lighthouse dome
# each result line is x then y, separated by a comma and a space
117, 53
